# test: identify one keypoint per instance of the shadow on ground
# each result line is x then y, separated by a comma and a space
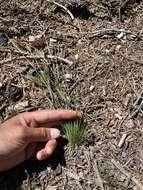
12, 179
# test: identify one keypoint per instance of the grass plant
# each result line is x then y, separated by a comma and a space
74, 131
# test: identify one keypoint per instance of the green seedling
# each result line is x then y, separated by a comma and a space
41, 78
74, 131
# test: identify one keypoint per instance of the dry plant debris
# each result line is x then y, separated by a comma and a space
83, 55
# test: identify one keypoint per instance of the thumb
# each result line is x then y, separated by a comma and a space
42, 134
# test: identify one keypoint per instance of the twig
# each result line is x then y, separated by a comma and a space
124, 136
96, 170
127, 174
60, 59
100, 181
102, 32
140, 97
4, 19
13, 51
136, 111
63, 7
36, 57
20, 58
122, 122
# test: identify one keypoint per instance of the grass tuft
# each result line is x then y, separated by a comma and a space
40, 79
74, 131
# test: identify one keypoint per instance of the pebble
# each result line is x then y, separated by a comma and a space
2, 89
76, 56
3, 39
118, 47
124, 155
19, 106
121, 35
68, 77
51, 188
122, 178
52, 41
1, 84
15, 93
23, 69
33, 38
92, 88
130, 124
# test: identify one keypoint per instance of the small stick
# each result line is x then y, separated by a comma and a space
102, 32
122, 122
4, 19
122, 141
138, 99
36, 57
100, 181
127, 174
20, 58
60, 59
63, 7
136, 111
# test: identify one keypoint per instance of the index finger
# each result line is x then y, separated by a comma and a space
48, 116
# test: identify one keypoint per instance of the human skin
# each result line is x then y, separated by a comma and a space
21, 135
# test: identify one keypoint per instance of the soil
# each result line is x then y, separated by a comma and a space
99, 47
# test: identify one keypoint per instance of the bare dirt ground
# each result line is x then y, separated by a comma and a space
92, 54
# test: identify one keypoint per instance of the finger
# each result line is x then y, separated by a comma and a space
47, 116
49, 125
42, 134
47, 151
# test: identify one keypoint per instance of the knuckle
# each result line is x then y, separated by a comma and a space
45, 133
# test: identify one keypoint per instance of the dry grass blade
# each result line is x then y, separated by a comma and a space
40, 79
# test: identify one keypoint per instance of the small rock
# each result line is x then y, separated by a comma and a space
122, 178
1, 84
68, 77
19, 106
58, 170
23, 69
51, 188
112, 131
121, 35
127, 99
92, 88
104, 90
2, 89
118, 116
33, 72
124, 155
3, 39
15, 93
130, 139
118, 47
79, 43
129, 124
107, 51
76, 57
33, 38
52, 41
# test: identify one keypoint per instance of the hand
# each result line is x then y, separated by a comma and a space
20, 135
